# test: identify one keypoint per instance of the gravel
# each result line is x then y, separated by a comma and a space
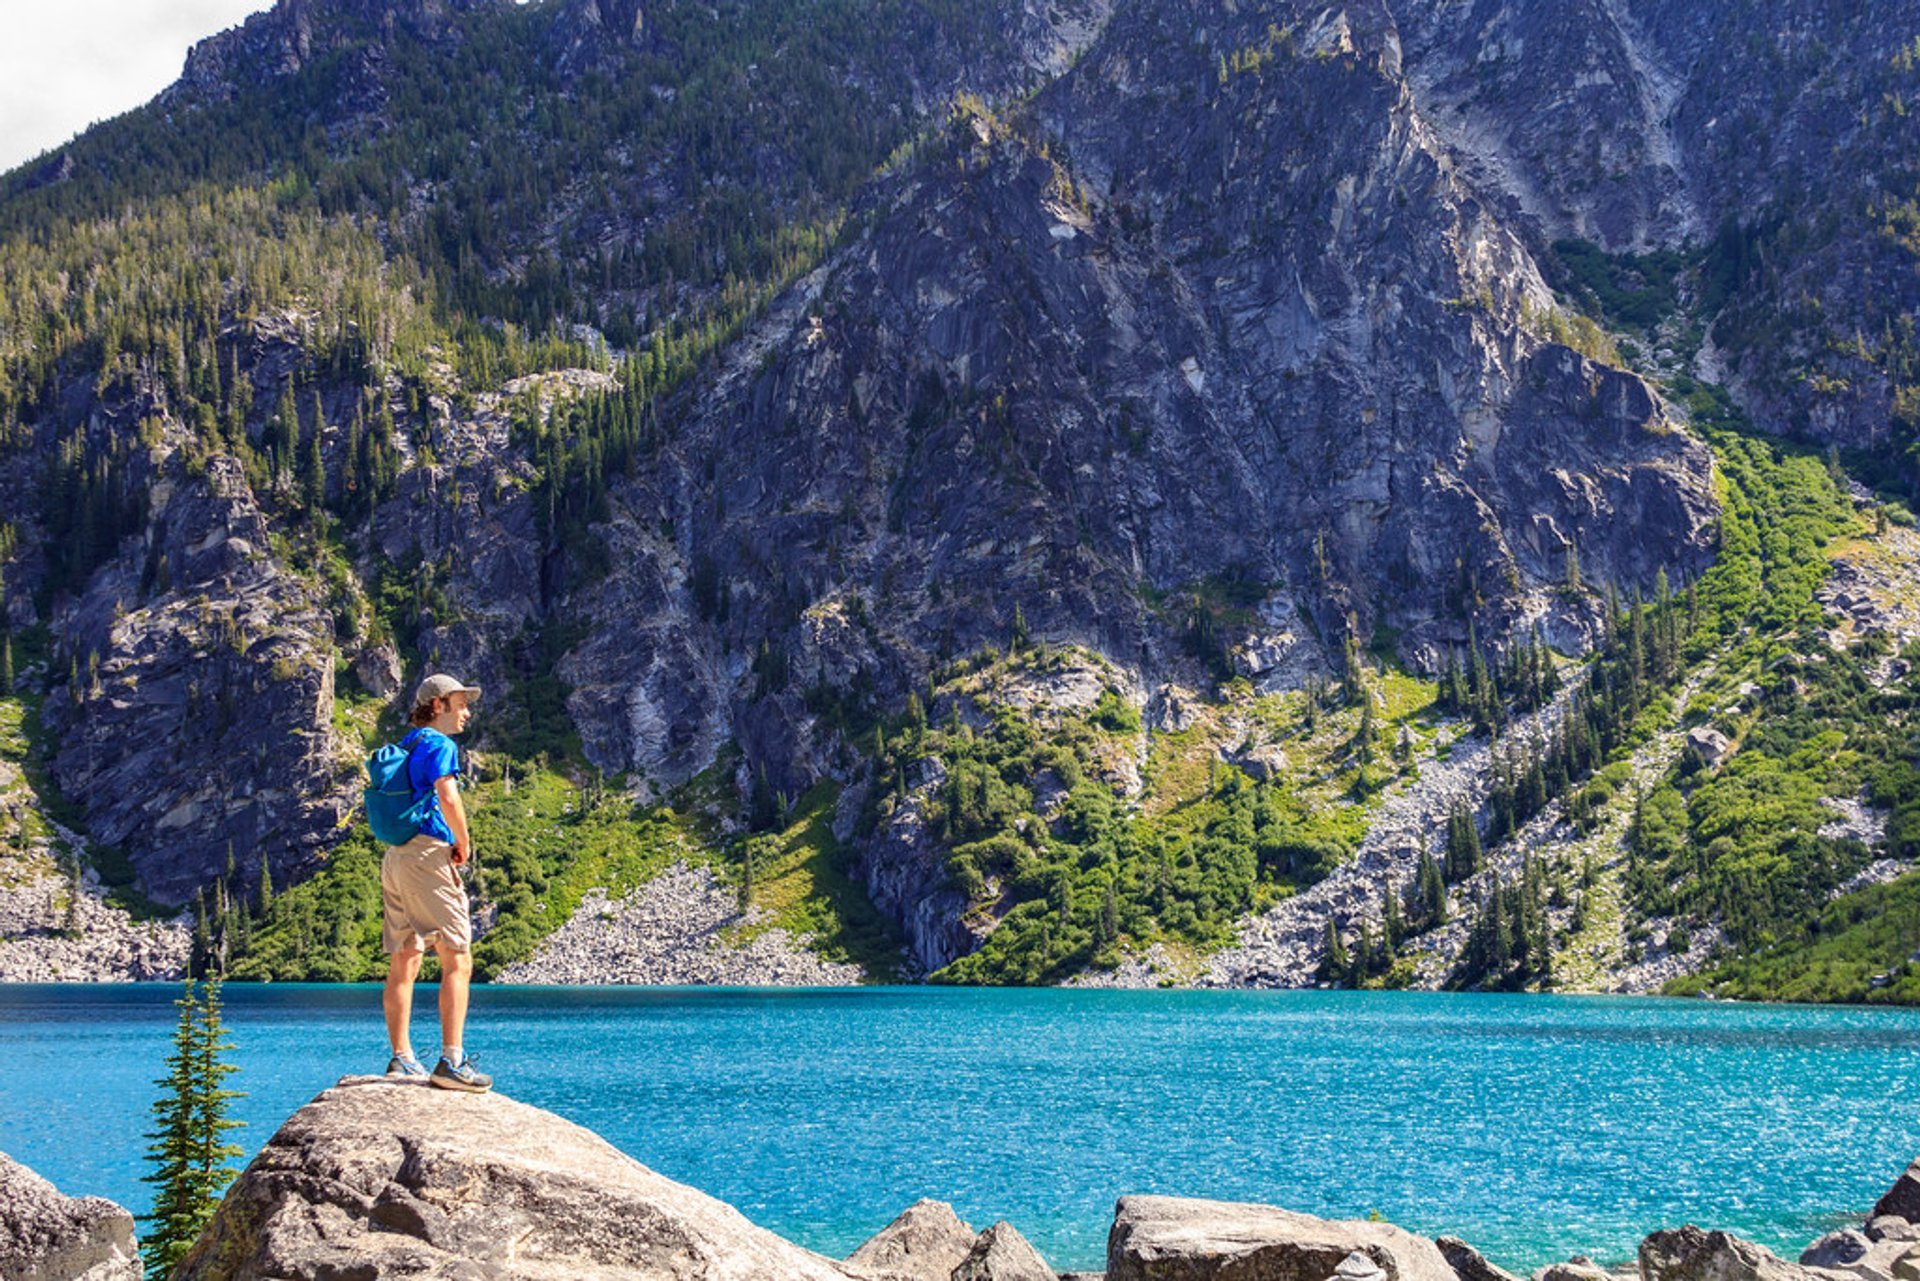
1154, 967
681, 928
108, 945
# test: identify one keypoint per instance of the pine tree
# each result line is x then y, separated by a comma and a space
313, 465
1433, 892
1334, 968
198, 959
187, 1148
1393, 929
266, 888
76, 889
285, 431
1353, 682
1486, 701
1473, 958
6, 663
1500, 935
1464, 852
357, 479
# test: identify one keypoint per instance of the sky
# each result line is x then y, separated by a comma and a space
65, 64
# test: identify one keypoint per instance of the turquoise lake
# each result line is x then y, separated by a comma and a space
1534, 1126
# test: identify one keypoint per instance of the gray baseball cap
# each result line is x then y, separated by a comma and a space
439, 685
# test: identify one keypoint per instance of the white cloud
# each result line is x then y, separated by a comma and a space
65, 64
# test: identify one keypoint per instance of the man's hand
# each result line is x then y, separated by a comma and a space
461, 853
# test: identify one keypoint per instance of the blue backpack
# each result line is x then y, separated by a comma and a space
393, 811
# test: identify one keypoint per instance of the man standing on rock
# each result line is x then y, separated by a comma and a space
422, 898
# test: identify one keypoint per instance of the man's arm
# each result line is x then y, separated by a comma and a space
456, 815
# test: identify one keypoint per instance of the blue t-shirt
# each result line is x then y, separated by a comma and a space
432, 757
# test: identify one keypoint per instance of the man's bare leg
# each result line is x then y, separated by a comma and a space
456, 969
402, 970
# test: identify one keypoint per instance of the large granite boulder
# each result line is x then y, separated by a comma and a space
1691, 1254
925, 1243
1157, 1238
1903, 1198
47, 1236
384, 1179
1002, 1254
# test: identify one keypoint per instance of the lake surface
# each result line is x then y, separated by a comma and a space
1534, 1126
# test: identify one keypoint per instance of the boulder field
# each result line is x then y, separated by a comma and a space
379, 1179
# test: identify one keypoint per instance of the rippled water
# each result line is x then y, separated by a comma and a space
1535, 1127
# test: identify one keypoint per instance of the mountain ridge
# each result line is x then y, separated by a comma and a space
757, 368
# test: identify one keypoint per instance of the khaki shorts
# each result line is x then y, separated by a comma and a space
422, 899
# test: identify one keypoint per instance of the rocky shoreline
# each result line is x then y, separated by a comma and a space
681, 928
380, 1178
47, 937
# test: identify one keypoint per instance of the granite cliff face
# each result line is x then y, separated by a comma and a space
1772, 140
1162, 327
1563, 113
195, 633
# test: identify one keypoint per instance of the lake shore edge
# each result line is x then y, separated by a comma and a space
385, 1177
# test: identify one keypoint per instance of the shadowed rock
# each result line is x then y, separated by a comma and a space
1903, 1198
1891, 1227
1835, 1249
1468, 1263
379, 1179
1002, 1254
925, 1243
47, 1236
1157, 1238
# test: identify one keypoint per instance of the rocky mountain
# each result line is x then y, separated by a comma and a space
1255, 331
1774, 139
711, 383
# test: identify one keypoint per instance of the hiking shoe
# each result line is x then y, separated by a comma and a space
405, 1065
448, 1077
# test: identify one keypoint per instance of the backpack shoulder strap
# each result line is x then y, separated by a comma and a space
416, 738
